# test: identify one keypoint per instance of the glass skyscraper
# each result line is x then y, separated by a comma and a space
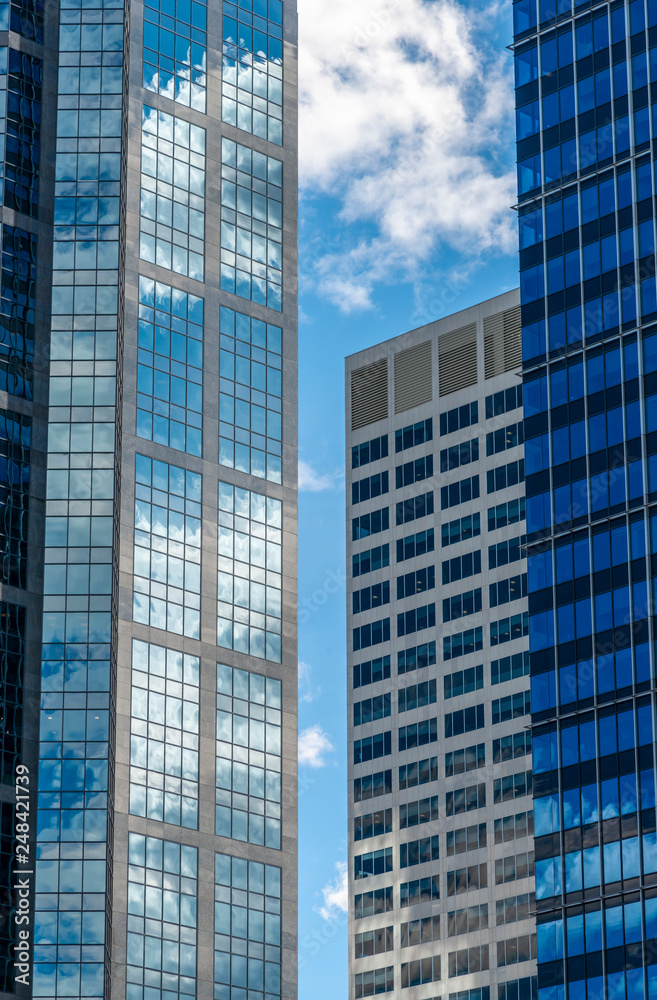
585, 86
148, 219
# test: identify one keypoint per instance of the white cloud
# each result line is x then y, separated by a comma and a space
335, 894
311, 481
307, 692
314, 743
406, 119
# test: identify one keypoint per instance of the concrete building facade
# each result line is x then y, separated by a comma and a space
441, 862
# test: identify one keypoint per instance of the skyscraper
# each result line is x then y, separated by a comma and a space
441, 862
586, 176
148, 395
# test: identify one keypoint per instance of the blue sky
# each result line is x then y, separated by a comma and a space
407, 178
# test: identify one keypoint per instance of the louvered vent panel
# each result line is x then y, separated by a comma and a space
512, 339
413, 385
369, 394
457, 359
502, 343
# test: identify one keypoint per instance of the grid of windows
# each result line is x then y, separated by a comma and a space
466, 921
248, 798
170, 367
76, 668
416, 657
462, 643
175, 41
414, 507
370, 487
15, 438
415, 545
247, 926
460, 530
17, 303
370, 560
249, 573
375, 942
252, 70
371, 671
375, 981
463, 681
459, 418
12, 659
418, 773
459, 454
370, 786
369, 451
251, 224
250, 391
508, 667
162, 919
167, 553
164, 738
172, 193
368, 904
505, 476
461, 491
414, 434
503, 401
370, 524
466, 759
22, 127
25, 17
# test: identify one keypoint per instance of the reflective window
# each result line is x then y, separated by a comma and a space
250, 395
248, 757
251, 224
15, 436
247, 926
21, 75
170, 367
249, 578
162, 919
12, 658
252, 72
175, 42
172, 193
167, 554
164, 737
17, 304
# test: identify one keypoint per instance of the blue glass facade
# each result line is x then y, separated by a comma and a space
148, 471
586, 105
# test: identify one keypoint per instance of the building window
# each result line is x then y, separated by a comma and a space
17, 304
170, 367
162, 919
167, 554
249, 578
247, 895
22, 126
249, 749
15, 437
175, 41
12, 659
172, 193
375, 981
252, 71
164, 737
250, 395
251, 224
